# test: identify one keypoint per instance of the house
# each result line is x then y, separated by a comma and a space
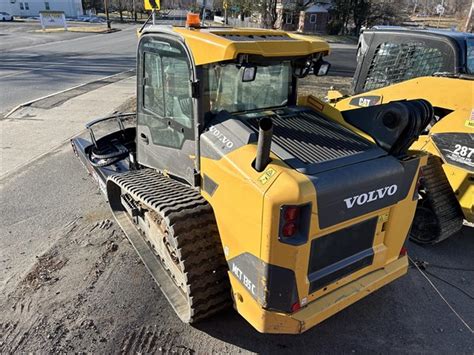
288, 14
314, 19
303, 15
31, 8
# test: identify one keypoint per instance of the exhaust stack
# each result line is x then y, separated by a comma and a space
265, 133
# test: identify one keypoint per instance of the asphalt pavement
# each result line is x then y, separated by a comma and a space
36, 64
342, 59
64, 61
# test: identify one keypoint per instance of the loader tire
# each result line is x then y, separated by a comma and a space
438, 214
182, 248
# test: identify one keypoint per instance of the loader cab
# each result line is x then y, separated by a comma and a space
178, 93
166, 109
389, 55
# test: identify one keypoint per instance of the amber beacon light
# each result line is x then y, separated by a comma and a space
192, 20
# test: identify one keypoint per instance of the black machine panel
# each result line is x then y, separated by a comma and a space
456, 148
358, 189
311, 143
338, 254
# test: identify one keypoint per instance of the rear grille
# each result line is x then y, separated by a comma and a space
339, 254
314, 139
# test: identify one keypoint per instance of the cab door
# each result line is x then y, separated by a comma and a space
165, 107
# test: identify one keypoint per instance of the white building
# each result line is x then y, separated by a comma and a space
71, 8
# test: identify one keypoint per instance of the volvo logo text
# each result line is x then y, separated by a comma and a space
371, 196
227, 142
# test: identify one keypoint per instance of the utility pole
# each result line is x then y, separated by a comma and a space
134, 10
469, 26
225, 4
106, 8
204, 3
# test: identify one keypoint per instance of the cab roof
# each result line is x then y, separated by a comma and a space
460, 37
217, 44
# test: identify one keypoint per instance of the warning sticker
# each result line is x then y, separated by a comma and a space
267, 175
470, 122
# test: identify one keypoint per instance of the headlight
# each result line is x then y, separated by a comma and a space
456, 149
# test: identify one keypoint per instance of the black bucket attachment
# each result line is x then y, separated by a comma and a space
111, 154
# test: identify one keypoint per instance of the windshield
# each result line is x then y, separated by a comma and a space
227, 91
470, 55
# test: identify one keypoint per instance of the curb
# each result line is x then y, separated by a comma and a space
28, 103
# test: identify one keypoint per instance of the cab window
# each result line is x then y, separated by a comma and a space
397, 62
166, 92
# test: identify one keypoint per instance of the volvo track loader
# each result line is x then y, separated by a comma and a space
232, 192
438, 66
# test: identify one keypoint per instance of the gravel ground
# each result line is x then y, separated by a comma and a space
319, 86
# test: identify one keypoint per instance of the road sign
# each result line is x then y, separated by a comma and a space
225, 4
152, 4
52, 19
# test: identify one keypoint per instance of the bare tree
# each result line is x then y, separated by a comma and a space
97, 5
120, 6
268, 9
360, 13
341, 15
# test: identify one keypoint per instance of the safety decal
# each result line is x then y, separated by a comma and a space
461, 154
470, 122
266, 176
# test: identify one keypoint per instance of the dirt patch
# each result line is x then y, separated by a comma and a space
46, 308
319, 86
44, 270
129, 105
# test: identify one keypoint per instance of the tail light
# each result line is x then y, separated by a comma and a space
295, 307
294, 223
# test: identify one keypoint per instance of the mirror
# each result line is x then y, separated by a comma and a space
321, 68
301, 69
249, 74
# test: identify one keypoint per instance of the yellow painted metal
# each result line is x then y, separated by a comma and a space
449, 93
247, 203
251, 225
152, 4
320, 309
210, 46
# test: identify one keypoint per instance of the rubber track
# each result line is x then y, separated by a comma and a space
192, 227
441, 199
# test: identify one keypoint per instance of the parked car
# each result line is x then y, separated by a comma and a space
4, 16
